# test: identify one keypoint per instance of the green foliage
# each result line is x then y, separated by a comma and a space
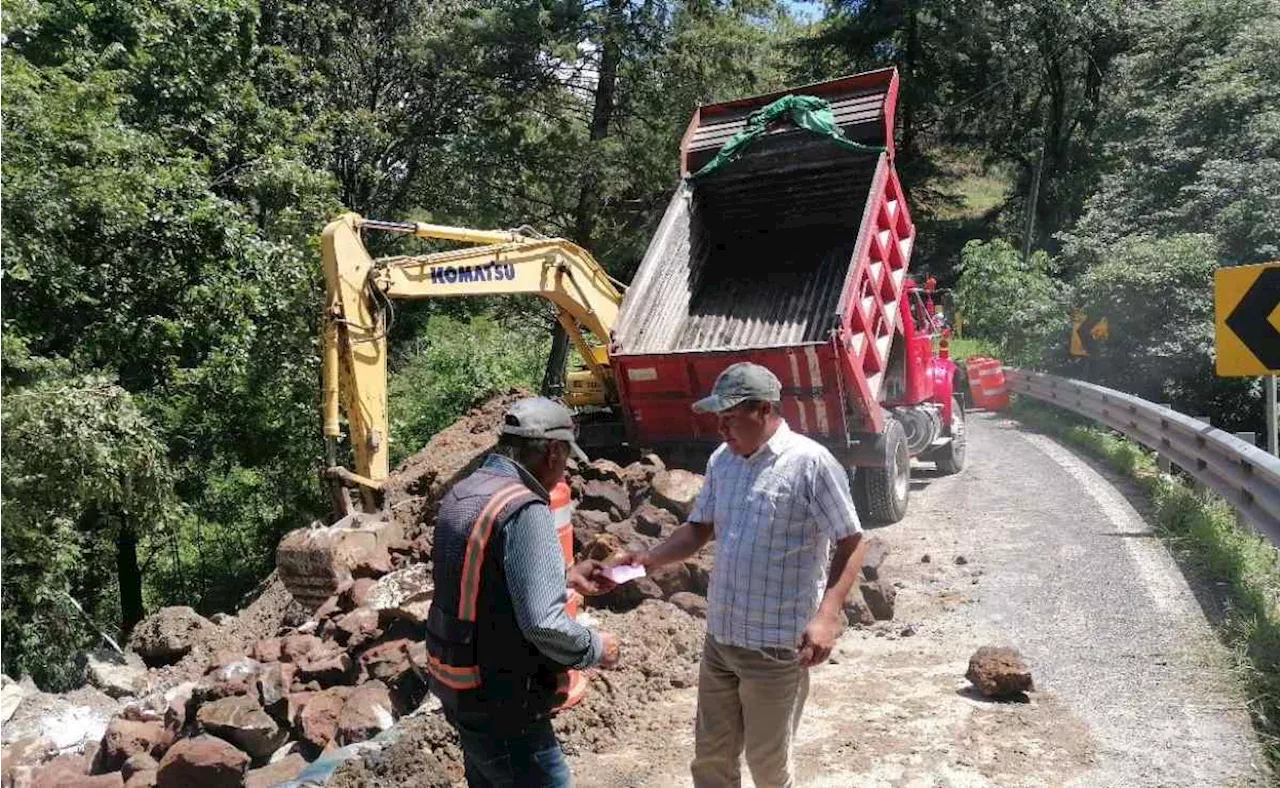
1014, 305
454, 365
1205, 536
83, 466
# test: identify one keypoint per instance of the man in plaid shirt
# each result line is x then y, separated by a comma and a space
775, 502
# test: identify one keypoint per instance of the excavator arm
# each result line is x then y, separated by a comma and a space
358, 288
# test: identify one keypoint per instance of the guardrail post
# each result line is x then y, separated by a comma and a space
1162, 462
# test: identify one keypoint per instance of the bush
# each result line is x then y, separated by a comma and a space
1014, 305
451, 367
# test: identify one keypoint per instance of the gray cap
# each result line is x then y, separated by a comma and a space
539, 417
739, 383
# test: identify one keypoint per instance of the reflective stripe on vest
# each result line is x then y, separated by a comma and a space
476, 544
452, 676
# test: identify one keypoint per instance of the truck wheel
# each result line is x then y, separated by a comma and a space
950, 458
882, 492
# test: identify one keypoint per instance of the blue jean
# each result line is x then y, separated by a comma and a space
500, 757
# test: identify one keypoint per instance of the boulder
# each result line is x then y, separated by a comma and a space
654, 521
603, 471
676, 491
602, 547
387, 662
11, 695
358, 594
117, 675
296, 647
282, 771
71, 770
138, 762
358, 627
366, 712
403, 595
143, 779
879, 597
692, 604
168, 635
601, 496
274, 683
629, 595
856, 612
318, 720
126, 738
244, 723
674, 579
327, 667
877, 551
202, 762
999, 672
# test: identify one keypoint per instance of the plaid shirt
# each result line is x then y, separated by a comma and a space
776, 514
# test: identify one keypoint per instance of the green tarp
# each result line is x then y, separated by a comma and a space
807, 112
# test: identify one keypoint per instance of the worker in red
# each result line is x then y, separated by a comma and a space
500, 643
775, 501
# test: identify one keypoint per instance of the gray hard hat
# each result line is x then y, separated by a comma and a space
741, 382
539, 417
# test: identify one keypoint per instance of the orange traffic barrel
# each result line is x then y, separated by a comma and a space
562, 512
987, 383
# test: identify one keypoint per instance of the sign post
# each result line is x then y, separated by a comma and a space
1246, 302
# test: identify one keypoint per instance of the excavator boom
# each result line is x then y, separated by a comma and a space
506, 262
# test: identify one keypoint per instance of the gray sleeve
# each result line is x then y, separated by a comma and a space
535, 576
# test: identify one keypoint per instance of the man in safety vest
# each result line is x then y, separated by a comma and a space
499, 641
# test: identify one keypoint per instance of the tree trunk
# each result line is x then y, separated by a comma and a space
130, 578
589, 196
908, 77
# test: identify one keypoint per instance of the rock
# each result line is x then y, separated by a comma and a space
652, 462
244, 723
177, 705
961, 560
358, 627
294, 704
602, 547
690, 603
673, 579
629, 595
117, 676
221, 619
296, 647
654, 521
387, 662
126, 738
66, 771
602, 470
625, 531
856, 612
700, 572
143, 779
590, 520
281, 771
879, 597
168, 635
138, 762
366, 713
274, 682
234, 669
602, 496
11, 695
358, 594
926, 558
267, 650
328, 667
877, 551
202, 762
908, 631
318, 721
20, 758
403, 595
676, 491
330, 607
999, 672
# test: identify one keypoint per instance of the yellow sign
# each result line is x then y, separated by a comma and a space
1246, 305
1098, 332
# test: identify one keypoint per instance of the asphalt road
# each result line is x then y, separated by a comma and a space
1030, 547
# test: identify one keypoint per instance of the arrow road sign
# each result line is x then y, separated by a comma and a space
1247, 303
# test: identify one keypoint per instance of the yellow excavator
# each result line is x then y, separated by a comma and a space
316, 562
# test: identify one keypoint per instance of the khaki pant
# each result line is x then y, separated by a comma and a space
747, 700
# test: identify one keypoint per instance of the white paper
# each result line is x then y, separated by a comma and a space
623, 573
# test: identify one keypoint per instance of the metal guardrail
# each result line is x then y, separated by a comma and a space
1246, 476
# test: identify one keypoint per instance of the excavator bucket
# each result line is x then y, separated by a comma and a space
320, 561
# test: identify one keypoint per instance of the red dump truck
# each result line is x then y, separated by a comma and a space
793, 253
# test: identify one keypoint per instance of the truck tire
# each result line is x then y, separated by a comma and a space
881, 492
950, 458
